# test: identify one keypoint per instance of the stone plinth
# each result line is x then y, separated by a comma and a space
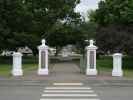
17, 64
117, 65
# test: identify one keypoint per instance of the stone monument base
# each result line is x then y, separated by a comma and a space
17, 72
116, 73
43, 72
91, 72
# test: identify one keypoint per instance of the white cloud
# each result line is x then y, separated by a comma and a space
86, 5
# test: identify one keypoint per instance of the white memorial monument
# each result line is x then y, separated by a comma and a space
43, 59
17, 64
117, 65
91, 59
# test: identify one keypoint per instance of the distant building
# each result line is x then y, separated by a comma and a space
6, 53
68, 50
52, 51
25, 50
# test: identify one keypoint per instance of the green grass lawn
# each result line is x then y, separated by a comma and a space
5, 69
29, 64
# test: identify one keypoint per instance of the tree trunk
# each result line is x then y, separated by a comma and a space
57, 51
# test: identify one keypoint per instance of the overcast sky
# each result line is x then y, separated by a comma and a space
86, 5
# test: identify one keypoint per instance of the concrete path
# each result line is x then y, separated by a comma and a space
66, 72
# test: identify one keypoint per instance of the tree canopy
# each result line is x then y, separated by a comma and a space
115, 22
25, 22
114, 12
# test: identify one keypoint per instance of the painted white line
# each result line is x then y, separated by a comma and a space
69, 95
79, 84
68, 91
68, 88
67, 99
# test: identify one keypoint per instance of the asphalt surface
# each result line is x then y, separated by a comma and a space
33, 87
32, 90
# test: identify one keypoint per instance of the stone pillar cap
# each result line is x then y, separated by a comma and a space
17, 54
91, 46
43, 46
117, 54
92, 42
43, 42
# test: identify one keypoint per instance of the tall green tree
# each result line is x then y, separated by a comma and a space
114, 19
25, 22
114, 12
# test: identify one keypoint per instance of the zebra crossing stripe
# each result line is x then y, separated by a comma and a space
68, 91
75, 84
67, 99
68, 88
69, 95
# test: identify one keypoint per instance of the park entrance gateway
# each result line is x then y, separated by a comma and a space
91, 59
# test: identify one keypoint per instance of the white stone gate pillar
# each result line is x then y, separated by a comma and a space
117, 65
43, 59
17, 64
91, 59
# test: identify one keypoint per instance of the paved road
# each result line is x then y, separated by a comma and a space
63, 75
34, 91
19, 93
